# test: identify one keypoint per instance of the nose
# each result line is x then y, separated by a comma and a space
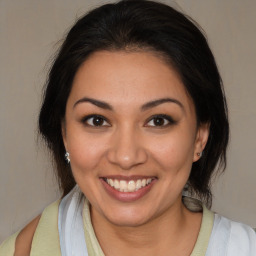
127, 149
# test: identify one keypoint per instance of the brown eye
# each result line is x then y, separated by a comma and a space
160, 121
96, 121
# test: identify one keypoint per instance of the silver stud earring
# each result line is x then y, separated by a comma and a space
199, 154
67, 157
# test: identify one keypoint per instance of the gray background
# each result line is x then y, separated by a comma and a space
29, 35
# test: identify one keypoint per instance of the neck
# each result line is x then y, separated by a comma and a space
172, 233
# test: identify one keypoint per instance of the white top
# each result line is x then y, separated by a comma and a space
228, 238
70, 225
231, 238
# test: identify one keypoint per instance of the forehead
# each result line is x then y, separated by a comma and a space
128, 78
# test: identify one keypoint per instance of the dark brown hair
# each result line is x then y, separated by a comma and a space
142, 25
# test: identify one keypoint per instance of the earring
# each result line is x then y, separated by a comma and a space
199, 154
67, 157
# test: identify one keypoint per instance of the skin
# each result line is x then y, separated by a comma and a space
24, 239
128, 143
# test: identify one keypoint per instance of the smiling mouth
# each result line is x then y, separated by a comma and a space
128, 185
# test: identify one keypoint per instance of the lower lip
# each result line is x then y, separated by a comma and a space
127, 196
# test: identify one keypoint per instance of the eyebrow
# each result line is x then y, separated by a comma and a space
146, 106
100, 104
157, 102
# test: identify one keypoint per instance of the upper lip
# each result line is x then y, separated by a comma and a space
132, 177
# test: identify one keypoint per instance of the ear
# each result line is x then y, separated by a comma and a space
201, 140
63, 133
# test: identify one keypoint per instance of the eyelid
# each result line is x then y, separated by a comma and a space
170, 120
86, 118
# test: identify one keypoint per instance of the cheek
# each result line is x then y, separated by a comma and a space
174, 151
85, 153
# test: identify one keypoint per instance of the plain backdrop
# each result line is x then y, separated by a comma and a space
29, 35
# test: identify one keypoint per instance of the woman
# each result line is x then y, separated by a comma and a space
135, 103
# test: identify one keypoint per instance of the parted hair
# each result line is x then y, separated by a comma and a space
139, 25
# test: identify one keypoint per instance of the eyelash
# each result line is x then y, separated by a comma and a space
168, 120
165, 118
87, 118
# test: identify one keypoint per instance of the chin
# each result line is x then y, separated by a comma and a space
128, 217
128, 221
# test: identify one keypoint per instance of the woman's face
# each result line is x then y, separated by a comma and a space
131, 131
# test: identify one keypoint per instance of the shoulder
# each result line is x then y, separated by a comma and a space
19, 244
242, 239
25, 237
232, 237
43, 230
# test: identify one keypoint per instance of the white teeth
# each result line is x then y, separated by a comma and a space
138, 184
111, 182
131, 186
123, 185
116, 184
128, 186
